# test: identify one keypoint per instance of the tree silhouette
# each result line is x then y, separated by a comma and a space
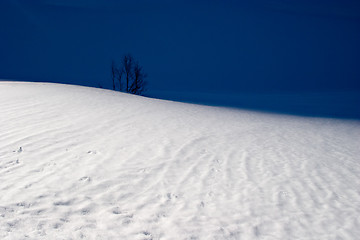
133, 73
138, 84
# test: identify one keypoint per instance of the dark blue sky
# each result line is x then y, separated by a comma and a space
208, 46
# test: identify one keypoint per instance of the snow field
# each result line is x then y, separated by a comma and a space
79, 162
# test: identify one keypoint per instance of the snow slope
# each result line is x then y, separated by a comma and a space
79, 162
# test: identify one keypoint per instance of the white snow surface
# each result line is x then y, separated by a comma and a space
78, 162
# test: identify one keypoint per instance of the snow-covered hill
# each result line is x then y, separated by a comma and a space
79, 162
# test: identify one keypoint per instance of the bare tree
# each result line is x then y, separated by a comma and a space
128, 69
138, 84
133, 73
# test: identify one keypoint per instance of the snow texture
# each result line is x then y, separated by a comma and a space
78, 162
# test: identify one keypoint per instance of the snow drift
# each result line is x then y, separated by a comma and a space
79, 162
